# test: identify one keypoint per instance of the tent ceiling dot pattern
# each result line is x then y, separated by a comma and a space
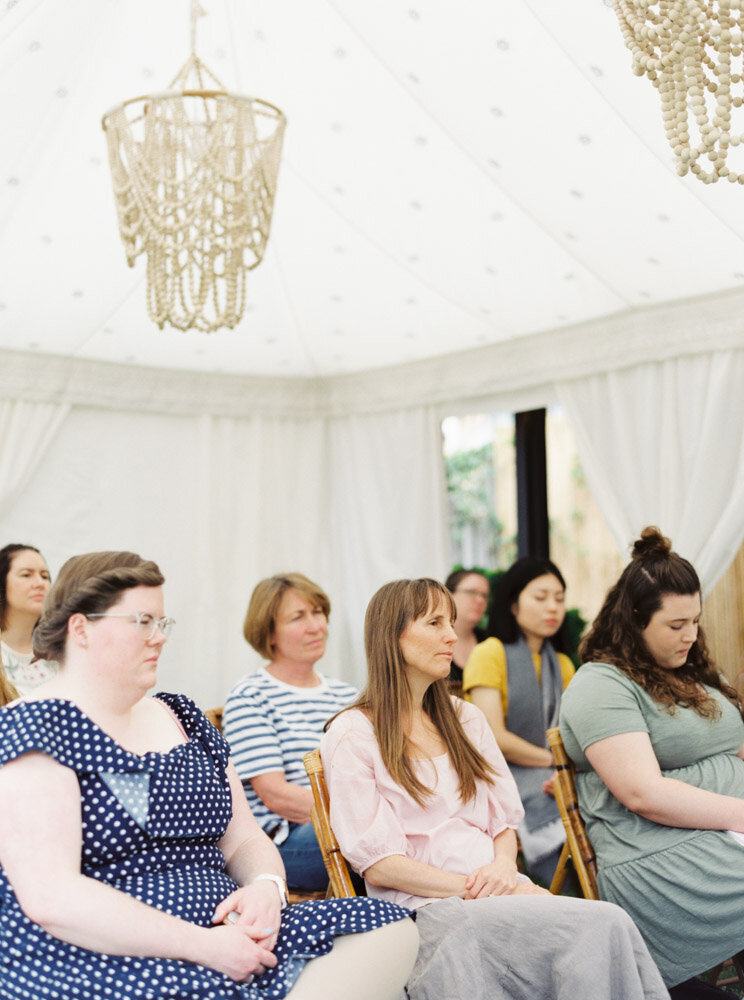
454, 175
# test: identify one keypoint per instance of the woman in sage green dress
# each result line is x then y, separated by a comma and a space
657, 738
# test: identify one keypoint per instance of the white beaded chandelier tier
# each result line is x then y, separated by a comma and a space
194, 172
691, 51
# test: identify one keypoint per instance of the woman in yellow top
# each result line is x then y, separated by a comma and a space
516, 677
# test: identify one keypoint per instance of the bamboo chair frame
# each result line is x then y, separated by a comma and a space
577, 848
339, 879
293, 895
215, 717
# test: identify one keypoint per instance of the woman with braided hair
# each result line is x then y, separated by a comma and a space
657, 737
130, 863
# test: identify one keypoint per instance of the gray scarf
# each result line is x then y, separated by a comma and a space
533, 709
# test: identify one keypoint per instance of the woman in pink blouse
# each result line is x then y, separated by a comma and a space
423, 805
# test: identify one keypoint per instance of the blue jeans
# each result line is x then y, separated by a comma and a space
302, 859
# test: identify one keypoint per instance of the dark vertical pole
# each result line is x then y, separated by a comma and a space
532, 484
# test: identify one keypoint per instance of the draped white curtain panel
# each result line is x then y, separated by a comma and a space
220, 502
663, 443
351, 500
26, 431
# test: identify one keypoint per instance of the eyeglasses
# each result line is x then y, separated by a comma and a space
474, 593
147, 624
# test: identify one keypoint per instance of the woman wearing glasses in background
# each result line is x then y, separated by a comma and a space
471, 591
24, 582
130, 863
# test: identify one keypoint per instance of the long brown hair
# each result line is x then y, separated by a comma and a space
387, 698
616, 636
8, 692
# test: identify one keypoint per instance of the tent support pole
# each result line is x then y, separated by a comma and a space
532, 485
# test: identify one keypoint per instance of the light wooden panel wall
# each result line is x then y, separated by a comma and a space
723, 618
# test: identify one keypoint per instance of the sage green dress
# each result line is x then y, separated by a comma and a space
683, 888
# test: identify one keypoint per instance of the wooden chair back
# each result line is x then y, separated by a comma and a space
577, 847
215, 717
294, 895
336, 864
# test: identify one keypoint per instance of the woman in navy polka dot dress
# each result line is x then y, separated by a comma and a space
131, 866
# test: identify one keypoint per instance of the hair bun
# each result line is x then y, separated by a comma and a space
652, 544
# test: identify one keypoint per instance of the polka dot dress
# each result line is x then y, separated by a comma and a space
151, 826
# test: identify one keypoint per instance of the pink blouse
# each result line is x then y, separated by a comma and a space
374, 818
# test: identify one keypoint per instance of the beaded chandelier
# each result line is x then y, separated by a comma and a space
691, 51
194, 173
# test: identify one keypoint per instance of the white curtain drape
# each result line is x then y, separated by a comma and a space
663, 444
388, 515
352, 499
220, 502
26, 431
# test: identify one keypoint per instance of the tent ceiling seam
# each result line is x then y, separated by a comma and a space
696, 327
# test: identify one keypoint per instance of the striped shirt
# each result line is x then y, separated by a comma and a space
270, 725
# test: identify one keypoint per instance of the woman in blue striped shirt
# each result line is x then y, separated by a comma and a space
275, 715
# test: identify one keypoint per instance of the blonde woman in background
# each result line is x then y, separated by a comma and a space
274, 716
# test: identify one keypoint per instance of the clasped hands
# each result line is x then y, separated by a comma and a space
499, 878
247, 928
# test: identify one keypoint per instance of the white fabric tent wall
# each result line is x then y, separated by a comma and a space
26, 431
224, 480
663, 444
220, 502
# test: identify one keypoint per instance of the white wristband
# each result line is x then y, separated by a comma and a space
278, 882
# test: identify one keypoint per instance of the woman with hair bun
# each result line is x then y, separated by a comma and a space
516, 677
657, 737
24, 582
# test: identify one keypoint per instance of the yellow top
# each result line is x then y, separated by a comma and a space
486, 667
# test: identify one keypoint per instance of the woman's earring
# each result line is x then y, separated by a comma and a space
84, 642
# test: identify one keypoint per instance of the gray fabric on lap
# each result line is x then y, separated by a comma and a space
531, 948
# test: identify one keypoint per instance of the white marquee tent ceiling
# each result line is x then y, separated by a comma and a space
454, 174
